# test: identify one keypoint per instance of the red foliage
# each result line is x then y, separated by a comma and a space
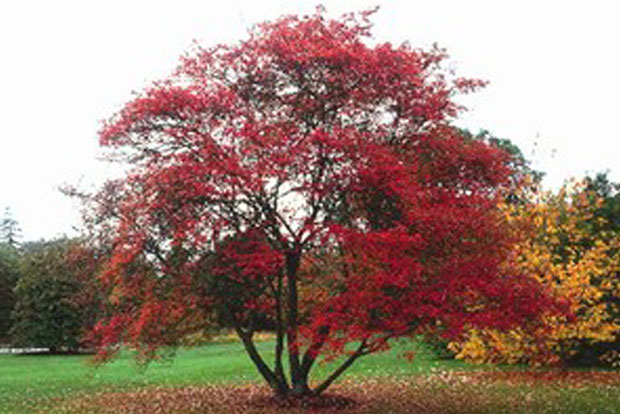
305, 161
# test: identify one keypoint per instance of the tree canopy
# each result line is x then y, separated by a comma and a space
306, 180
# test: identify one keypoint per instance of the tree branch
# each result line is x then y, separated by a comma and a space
346, 364
255, 356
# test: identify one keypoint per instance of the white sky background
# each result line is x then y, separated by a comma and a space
554, 68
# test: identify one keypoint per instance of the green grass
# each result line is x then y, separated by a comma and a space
27, 382
35, 378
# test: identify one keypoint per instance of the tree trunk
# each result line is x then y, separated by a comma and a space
299, 367
298, 385
279, 350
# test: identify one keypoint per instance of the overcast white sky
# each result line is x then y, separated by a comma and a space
554, 68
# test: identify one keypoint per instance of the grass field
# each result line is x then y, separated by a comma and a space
427, 385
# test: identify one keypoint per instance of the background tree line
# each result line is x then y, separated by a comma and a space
48, 291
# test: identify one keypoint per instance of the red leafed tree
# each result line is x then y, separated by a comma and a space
305, 181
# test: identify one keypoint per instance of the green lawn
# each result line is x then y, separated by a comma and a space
37, 377
27, 382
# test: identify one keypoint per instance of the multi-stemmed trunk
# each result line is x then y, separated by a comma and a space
296, 383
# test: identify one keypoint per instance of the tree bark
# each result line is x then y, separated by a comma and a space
299, 385
312, 352
279, 350
280, 387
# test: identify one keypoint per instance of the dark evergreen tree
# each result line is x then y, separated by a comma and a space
10, 232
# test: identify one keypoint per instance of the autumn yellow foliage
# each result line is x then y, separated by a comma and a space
559, 247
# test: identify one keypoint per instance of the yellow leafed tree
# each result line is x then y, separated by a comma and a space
567, 246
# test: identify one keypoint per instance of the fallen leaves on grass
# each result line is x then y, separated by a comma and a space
438, 393
551, 377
